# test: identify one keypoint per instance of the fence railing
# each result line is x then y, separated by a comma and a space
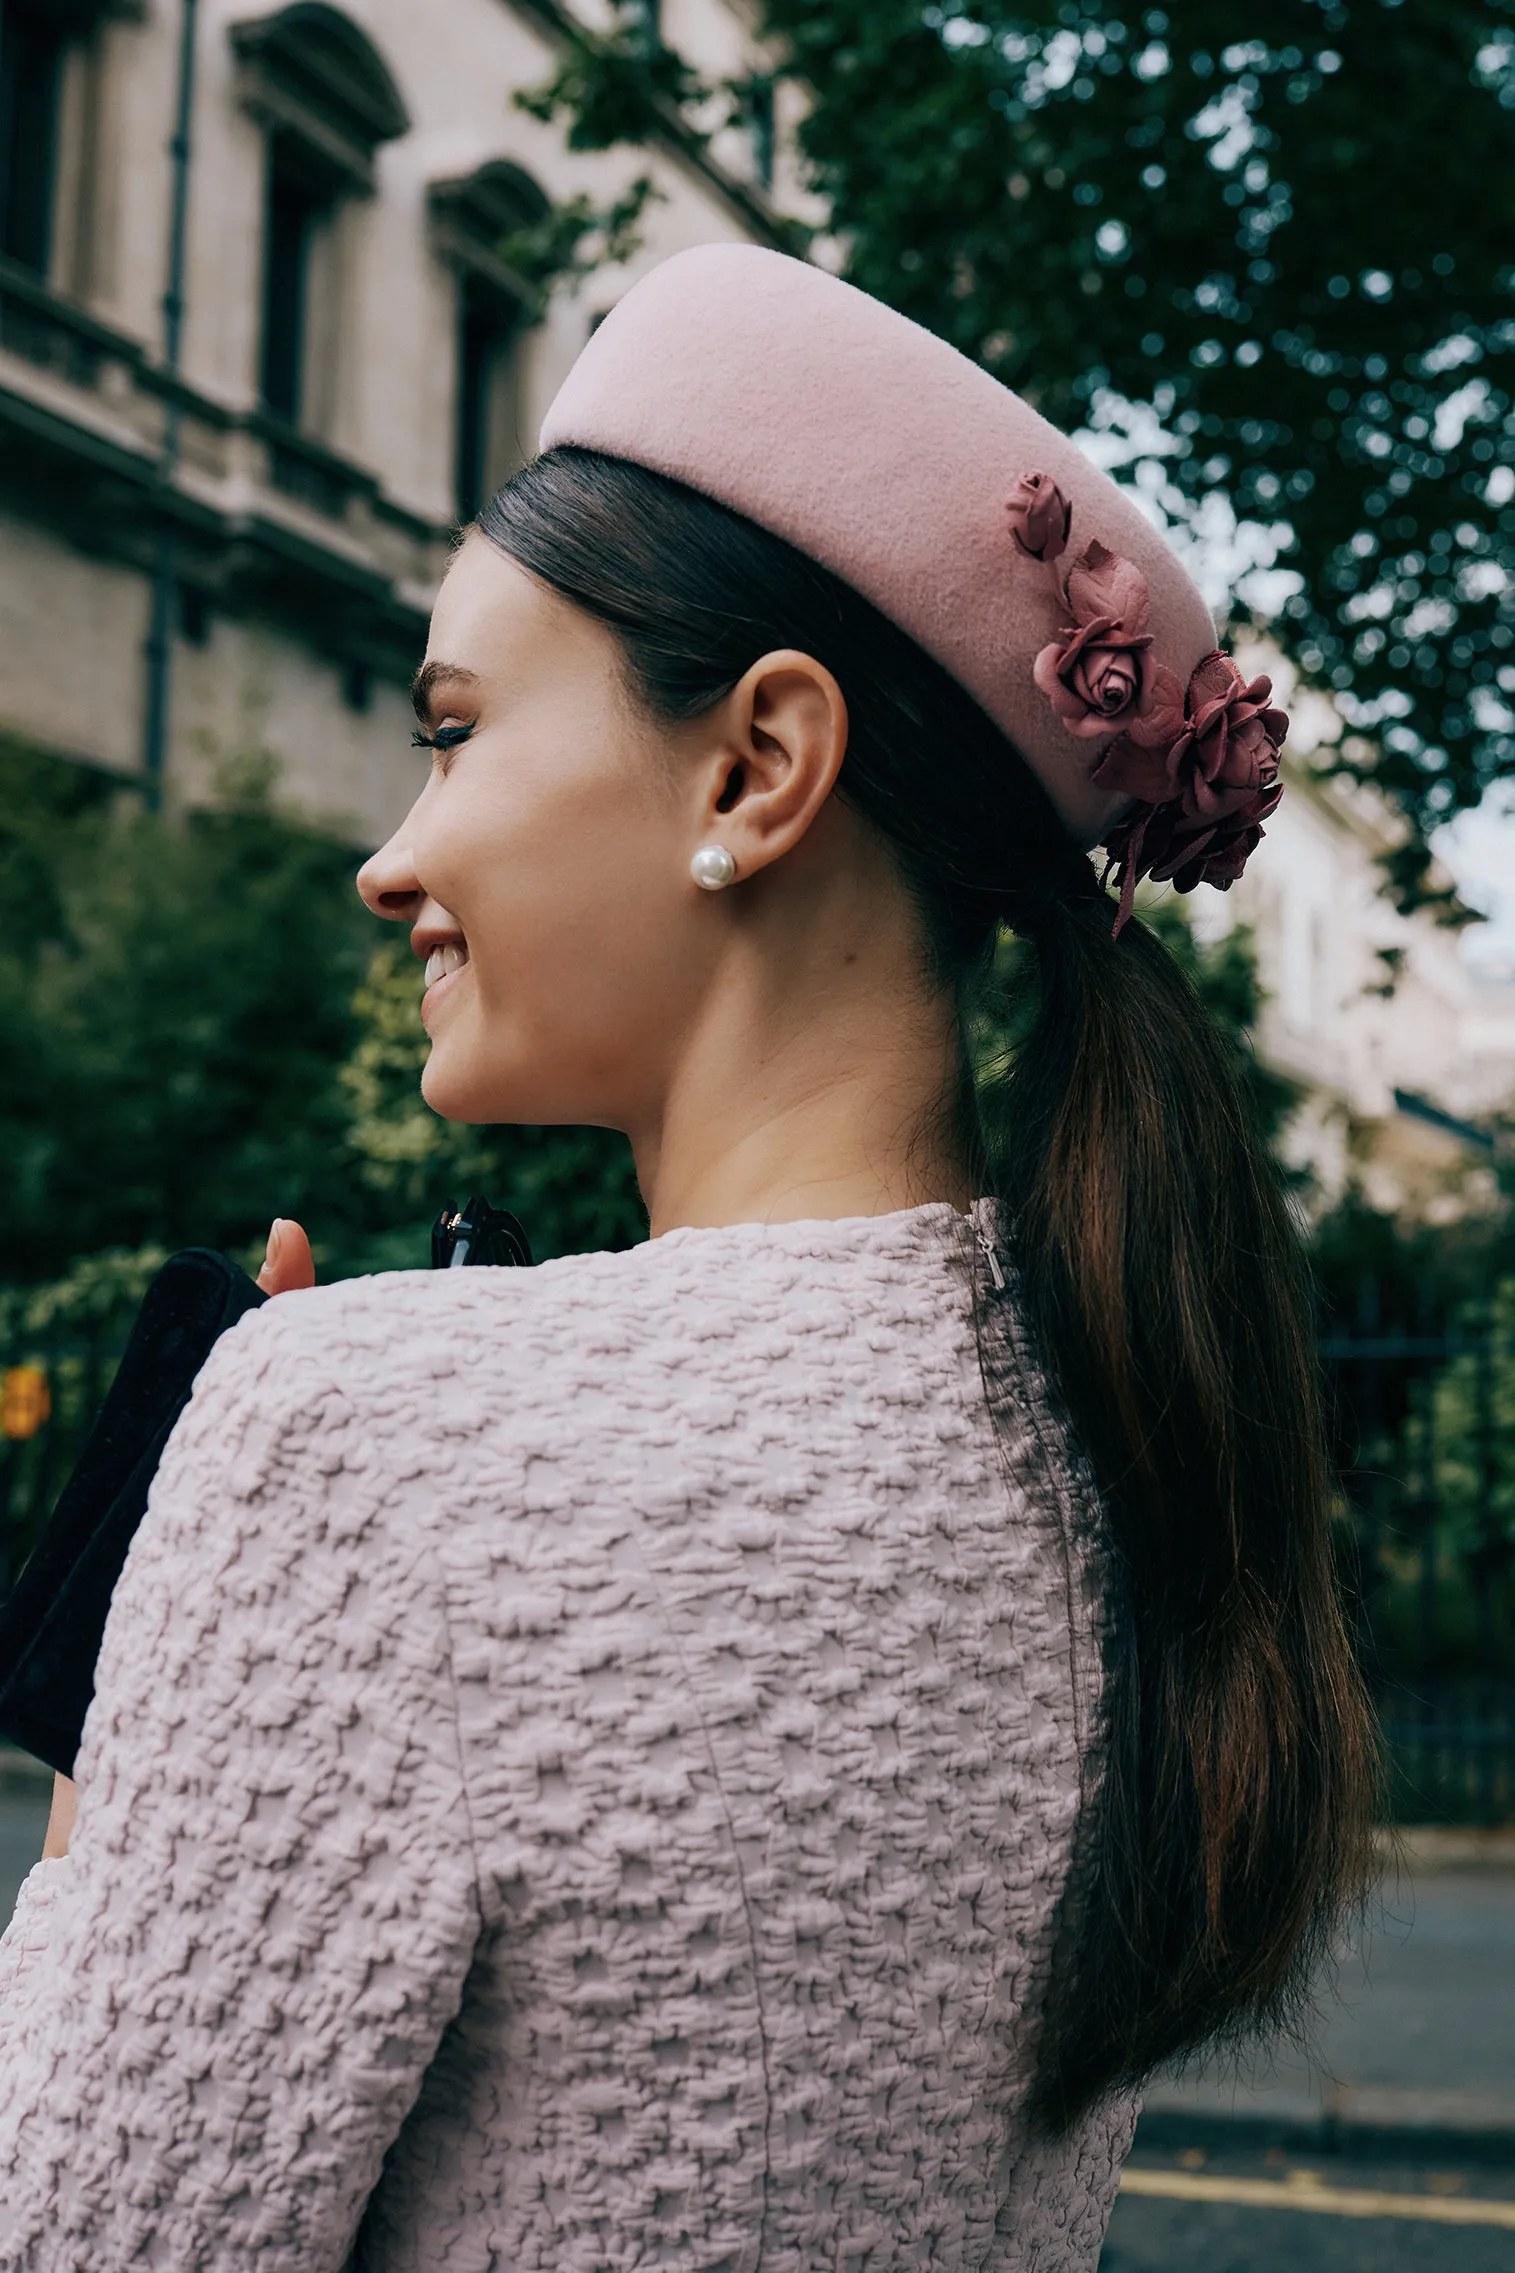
1424, 1428
1424, 1444
53, 1380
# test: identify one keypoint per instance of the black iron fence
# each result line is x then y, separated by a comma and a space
1424, 1423
52, 1382
1424, 1427
59, 1349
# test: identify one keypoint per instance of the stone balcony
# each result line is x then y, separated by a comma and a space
262, 517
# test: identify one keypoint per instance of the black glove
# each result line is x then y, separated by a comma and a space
51, 1627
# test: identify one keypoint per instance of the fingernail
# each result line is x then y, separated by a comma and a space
275, 1236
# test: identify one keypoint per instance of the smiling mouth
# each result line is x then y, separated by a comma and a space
443, 961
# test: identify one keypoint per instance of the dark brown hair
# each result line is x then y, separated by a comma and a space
1156, 1267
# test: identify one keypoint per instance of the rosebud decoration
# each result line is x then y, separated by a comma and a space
1040, 516
1199, 762
1098, 676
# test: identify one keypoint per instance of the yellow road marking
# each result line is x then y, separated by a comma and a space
1334, 2201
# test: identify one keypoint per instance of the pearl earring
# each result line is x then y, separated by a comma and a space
712, 868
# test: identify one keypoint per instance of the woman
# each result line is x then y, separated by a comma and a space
743, 1752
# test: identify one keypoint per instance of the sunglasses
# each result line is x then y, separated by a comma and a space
477, 1233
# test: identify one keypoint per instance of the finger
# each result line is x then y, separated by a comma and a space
60, 1823
288, 1263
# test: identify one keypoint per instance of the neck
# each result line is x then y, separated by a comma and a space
805, 1102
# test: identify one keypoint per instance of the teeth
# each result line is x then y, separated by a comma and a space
443, 961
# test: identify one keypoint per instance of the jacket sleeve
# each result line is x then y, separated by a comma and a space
219, 2008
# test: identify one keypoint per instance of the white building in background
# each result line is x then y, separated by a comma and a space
1406, 1056
358, 365
229, 552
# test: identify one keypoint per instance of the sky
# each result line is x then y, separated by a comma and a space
1479, 849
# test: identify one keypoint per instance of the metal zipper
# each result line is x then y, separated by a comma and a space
991, 1257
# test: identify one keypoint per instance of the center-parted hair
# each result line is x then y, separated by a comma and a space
1227, 1824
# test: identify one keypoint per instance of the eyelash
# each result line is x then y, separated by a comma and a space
445, 738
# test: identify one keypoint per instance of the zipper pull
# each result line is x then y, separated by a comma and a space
991, 1257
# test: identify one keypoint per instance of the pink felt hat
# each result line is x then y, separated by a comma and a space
957, 510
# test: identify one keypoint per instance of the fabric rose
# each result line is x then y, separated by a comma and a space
1233, 739
1198, 764
1221, 750
1098, 676
1175, 849
1040, 516
1202, 796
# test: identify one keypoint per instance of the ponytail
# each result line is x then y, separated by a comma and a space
1165, 1287
1157, 1271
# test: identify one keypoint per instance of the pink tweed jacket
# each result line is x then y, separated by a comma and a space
582, 1770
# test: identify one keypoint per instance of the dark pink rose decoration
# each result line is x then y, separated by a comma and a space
1040, 516
1097, 676
1232, 740
1203, 796
1198, 762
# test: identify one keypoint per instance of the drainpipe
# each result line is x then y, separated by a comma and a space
165, 580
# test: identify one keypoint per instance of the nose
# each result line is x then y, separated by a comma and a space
387, 881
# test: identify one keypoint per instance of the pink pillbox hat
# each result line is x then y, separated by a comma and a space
885, 455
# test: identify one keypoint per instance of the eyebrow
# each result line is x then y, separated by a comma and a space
431, 676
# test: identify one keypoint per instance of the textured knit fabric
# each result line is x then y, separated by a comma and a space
582, 1772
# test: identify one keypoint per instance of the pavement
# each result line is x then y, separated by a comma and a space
26, 1797
1251, 2211
1414, 2043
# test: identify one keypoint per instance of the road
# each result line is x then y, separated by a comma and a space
23, 1819
1424, 2001
1269, 2213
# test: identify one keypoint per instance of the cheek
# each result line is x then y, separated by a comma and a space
567, 886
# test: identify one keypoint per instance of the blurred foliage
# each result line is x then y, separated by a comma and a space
171, 1021
619, 85
1383, 1273
574, 238
1439, 1479
1472, 1435
94, 1290
201, 1028
1288, 230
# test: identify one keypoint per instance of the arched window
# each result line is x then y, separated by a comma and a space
474, 223
319, 88
35, 36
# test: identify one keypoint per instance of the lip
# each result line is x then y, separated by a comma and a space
435, 992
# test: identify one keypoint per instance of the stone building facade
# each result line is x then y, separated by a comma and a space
1404, 1058
261, 351
222, 522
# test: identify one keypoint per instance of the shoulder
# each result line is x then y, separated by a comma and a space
406, 1344
358, 1329
423, 1343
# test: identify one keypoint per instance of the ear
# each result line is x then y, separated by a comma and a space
783, 736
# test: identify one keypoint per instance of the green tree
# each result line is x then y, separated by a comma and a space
1474, 1431
172, 1019
1441, 1477
201, 1027
1287, 230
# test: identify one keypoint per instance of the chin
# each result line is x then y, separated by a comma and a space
459, 1092
449, 1092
